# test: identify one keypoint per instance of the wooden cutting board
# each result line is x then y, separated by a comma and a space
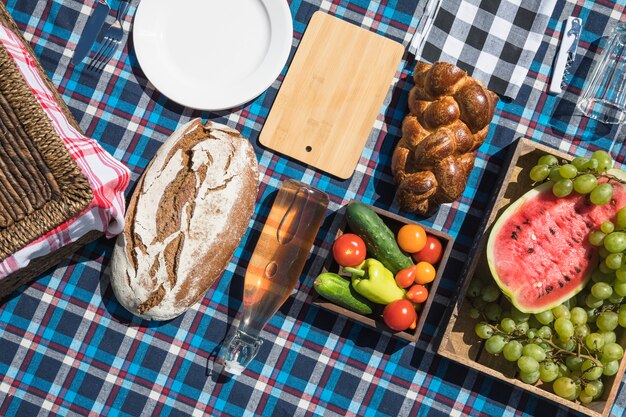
331, 95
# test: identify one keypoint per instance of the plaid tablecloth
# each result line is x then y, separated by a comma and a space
68, 348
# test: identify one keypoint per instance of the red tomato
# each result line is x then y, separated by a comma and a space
424, 273
349, 250
431, 252
411, 238
406, 277
417, 294
399, 315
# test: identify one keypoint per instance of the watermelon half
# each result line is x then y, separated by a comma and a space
538, 250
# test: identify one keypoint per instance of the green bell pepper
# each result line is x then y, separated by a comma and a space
375, 282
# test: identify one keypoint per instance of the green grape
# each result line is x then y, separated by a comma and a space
593, 302
620, 218
473, 289
590, 370
563, 369
612, 351
568, 344
563, 188
620, 274
565, 387
620, 288
561, 311
594, 388
545, 332
585, 398
545, 317
582, 331
527, 364
522, 328
594, 342
518, 316
601, 194
490, 293
530, 377
579, 162
548, 371
564, 327
507, 325
603, 254
547, 160
614, 261
568, 171
512, 351
608, 337
478, 303
493, 312
598, 276
615, 242
495, 344
607, 227
604, 160
621, 318
610, 368
531, 333
554, 174
596, 237
578, 316
534, 351
601, 290
574, 363
474, 313
539, 173
607, 321
585, 184
616, 299
483, 330
590, 165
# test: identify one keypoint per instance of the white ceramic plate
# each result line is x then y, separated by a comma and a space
212, 54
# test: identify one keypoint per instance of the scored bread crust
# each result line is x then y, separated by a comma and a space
185, 220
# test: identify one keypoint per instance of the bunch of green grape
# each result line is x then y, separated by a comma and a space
581, 175
570, 346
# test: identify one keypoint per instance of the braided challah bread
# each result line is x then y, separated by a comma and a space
449, 119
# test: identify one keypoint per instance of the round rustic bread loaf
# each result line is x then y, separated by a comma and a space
185, 219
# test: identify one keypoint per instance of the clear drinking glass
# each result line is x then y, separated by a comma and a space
276, 264
604, 96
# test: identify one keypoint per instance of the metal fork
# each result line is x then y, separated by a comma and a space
110, 42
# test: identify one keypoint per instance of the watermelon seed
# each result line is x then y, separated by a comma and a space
589, 225
514, 235
530, 250
552, 232
519, 227
560, 284
568, 279
577, 269
549, 288
527, 221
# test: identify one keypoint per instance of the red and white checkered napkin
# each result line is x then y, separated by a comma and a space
107, 177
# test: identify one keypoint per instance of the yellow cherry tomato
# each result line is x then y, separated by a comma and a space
412, 238
424, 273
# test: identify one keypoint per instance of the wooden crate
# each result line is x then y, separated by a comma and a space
459, 341
394, 222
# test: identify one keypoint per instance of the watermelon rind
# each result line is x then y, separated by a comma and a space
513, 208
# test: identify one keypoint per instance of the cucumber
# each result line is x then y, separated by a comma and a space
339, 291
379, 239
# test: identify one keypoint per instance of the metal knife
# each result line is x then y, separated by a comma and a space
91, 31
566, 54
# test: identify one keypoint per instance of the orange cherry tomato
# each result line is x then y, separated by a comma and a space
431, 252
424, 273
406, 277
399, 315
412, 238
417, 294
